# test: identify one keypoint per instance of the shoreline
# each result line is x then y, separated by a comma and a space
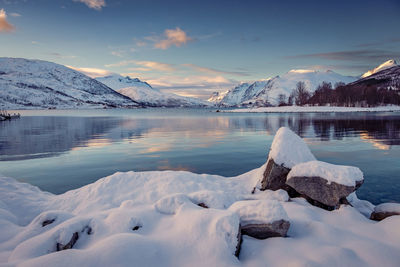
312, 109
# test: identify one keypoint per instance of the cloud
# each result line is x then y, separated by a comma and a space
144, 65
215, 71
5, 26
95, 4
379, 43
92, 72
15, 14
353, 55
58, 55
175, 37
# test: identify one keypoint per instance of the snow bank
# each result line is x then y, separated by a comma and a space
345, 175
153, 219
388, 207
259, 211
288, 149
295, 109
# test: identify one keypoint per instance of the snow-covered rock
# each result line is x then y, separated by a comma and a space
127, 226
385, 65
26, 84
287, 150
324, 183
268, 91
344, 175
385, 210
262, 218
142, 92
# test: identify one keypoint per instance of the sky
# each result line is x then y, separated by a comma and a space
196, 47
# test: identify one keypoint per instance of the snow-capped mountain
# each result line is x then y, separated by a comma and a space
216, 97
388, 78
385, 65
143, 92
40, 84
268, 91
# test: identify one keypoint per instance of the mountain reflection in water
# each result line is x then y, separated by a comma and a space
59, 153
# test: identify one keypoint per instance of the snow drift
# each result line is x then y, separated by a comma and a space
184, 219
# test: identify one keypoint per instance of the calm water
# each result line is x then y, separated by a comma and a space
63, 150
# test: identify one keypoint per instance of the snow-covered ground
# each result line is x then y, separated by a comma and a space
294, 109
152, 219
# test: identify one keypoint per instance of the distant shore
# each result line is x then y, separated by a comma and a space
300, 109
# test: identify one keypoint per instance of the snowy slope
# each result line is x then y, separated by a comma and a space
216, 97
385, 65
40, 84
270, 89
388, 78
142, 92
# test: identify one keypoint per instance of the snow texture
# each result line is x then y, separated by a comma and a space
259, 211
288, 149
344, 175
152, 219
388, 207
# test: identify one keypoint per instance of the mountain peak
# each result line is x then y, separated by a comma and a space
385, 65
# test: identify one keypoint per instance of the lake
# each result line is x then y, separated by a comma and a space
62, 150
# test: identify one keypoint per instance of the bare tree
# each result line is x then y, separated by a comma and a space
301, 94
282, 100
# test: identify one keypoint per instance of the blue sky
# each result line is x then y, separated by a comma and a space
196, 47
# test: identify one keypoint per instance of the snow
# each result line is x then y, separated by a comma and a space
142, 92
388, 207
344, 175
216, 97
259, 211
270, 89
385, 65
299, 109
288, 149
30, 84
152, 219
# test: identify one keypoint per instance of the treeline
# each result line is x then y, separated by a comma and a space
355, 95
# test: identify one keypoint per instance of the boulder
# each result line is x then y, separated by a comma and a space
385, 210
287, 150
324, 185
262, 219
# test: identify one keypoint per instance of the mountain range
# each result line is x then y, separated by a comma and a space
266, 92
142, 92
26, 84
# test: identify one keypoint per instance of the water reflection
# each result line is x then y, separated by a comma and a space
38, 137
59, 153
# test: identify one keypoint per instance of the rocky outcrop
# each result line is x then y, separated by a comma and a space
320, 193
324, 185
287, 150
262, 219
277, 228
385, 210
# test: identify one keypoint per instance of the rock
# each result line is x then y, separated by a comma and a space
70, 244
287, 150
274, 176
324, 185
262, 231
262, 218
47, 222
239, 241
385, 210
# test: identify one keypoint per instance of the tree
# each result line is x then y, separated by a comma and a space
281, 100
301, 94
